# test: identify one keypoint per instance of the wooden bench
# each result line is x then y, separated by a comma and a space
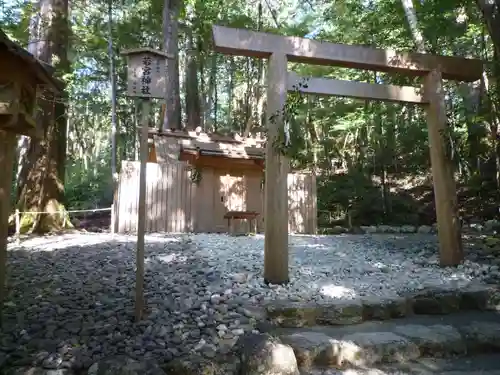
250, 216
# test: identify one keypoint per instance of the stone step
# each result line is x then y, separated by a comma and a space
438, 301
486, 364
393, 341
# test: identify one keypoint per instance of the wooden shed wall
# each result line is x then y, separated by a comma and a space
302, 210
175, 204
169, 197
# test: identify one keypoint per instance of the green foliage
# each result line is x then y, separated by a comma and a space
361, 150
290, 140
355, 194
88, 188
196, 175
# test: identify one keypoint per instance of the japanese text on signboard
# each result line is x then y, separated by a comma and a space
146, 75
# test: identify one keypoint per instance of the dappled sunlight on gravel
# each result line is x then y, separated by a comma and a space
202, 291
339, 266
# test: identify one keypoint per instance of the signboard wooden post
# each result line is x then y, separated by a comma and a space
146, 78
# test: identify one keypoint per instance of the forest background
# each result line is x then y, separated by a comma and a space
372, 159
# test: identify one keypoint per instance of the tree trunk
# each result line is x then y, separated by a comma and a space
171, 10
491, 14
210, 96
202, 86
256, 106
230, 91
259, 97
491, 110
42, 174
33, 45
215, 125
112, 81
247, 108
391, 159
411, 17
471, 95
313, 136
23, 146
193, 109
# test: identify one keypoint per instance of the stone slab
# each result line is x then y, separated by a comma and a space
263, 354
307, 346
472, 365
380, 308
317, 349
292, 314
437, 336
340, 313
436, 301
430, 301
480, 297
380, 347
485, 364
482, 336
436, 340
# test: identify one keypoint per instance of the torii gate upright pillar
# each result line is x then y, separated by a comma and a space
445, 195
276, 173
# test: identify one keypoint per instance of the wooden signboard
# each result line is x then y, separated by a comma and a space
146, 73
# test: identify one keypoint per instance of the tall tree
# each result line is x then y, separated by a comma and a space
345, 130
41, 184
112, 81
491, 13
171, 10
193, 107
411, 17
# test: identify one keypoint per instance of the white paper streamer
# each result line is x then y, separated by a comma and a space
287, 133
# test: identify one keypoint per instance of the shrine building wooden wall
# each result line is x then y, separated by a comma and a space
191, 184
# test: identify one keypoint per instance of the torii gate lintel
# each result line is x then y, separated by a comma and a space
244, 42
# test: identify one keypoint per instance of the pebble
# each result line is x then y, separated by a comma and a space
71, 298
238, 331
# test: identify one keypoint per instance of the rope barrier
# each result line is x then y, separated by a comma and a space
68, 211
18, 217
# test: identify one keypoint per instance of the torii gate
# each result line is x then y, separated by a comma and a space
281, 49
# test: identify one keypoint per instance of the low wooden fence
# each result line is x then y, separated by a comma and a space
171, 199
169, 193
302, 209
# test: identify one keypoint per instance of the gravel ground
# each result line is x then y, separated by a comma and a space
71, 297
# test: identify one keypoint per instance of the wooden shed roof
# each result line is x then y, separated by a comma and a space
217, 145
227, 150
42, 71
208, 137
